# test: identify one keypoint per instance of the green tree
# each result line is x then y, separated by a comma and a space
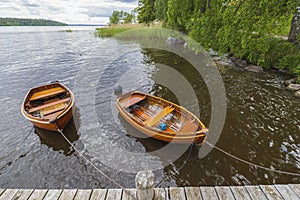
161, 8
115, 17
146, 11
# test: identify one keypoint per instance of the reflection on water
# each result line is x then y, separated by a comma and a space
262, 123
55, 141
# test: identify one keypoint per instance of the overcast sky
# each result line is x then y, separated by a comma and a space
68, 11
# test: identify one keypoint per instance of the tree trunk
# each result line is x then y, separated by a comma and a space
295, 26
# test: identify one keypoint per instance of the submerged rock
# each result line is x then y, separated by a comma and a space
254, 68
290, 81
241, 63
297, 94
293, 87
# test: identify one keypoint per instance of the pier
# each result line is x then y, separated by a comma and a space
261, 192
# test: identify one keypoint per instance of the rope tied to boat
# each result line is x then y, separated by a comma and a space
18, 145
250, 163
87, 160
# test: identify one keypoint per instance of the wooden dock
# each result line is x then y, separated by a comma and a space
261, 192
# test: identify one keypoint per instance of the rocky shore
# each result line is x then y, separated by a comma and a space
227, 60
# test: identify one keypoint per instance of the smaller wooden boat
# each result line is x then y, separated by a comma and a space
161, 119
49, 106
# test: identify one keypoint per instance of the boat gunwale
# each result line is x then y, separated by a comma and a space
176, 134
47, 121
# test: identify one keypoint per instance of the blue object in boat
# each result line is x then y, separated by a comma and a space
162, 126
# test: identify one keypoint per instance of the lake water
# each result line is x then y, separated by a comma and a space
262, 121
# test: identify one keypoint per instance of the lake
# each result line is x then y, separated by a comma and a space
262, 118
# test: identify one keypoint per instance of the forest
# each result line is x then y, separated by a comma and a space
28, 22
262, 32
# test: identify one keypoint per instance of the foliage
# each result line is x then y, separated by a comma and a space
250, 29
28, 22
121, 17
146, 11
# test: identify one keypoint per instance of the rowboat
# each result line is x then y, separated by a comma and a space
161, 119
49, 106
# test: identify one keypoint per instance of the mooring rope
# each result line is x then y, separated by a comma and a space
252, 164
184, 163
88, 161
18, 145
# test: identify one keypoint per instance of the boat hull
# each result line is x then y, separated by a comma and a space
189, 138
59, 123
60, 118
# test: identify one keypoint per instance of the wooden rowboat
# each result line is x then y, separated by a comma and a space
49, 106
161, 119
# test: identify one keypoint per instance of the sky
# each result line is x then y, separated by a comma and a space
67, 11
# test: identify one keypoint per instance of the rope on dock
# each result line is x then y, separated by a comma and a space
252, 164
13, 150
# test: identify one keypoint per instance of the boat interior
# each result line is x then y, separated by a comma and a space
159, 115
47, 102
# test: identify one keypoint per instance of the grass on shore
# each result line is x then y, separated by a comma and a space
113, 30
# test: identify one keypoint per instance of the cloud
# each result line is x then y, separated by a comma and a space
68, 11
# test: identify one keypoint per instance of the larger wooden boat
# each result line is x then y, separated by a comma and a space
49, 106
161, 119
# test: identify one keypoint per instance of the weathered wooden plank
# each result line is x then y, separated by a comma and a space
286, 192
208, 193
255, 192
240, 193
295, 188
83, 194
37, 194
67, 194
271, 192
129, 194
224, 193
161, 194
114, 194
8, 194
192, 193
22, 194
177, 193
52, 195
98, 194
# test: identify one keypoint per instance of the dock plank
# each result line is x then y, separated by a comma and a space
114, 194
8, 194
98, 194
295, 188
255, 192
38, 194
271, 192
52, 195
177, 193
240, 193
83, 194
129, 194
161, 194
192, 193
208, 193
22, 194
67, 194
224, 193
286, 192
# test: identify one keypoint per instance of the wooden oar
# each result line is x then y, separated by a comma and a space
159, 116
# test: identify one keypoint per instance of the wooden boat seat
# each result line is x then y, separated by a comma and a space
47, 93
48, 105
129, 101
52, 116
53, 109
188, 126
159, 116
